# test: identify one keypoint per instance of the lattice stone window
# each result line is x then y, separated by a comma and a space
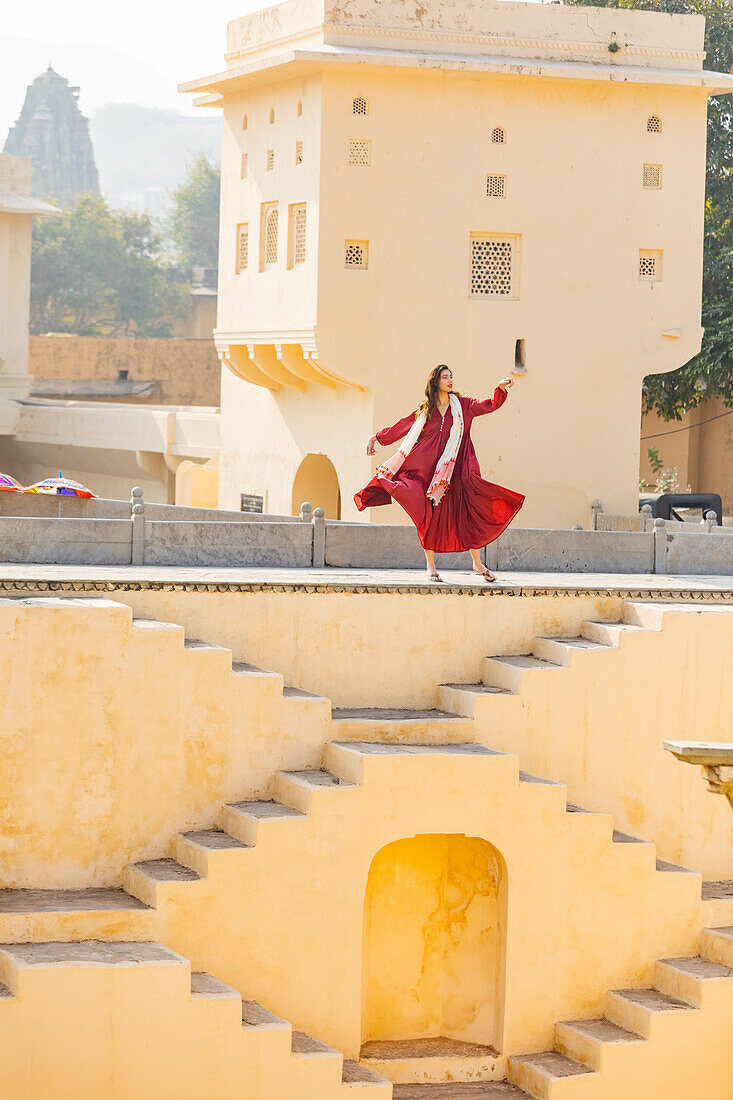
244, 122
296, 235
653, 175
650, 265
496, 187
498, 135
270, 159
299, 152
356, 253
242, 247
243, 169
299, 110
494, 266
272, 115
360, 152
654, 124
360, 106
268, 234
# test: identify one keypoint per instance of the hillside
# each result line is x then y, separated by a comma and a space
142, 152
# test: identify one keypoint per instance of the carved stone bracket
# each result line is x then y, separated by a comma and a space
715, 759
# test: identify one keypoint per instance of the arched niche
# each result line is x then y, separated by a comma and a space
316, 481
434, 941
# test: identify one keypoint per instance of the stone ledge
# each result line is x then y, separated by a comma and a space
122, 585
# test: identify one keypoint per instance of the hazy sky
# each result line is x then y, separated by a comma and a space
135, 52
178, 39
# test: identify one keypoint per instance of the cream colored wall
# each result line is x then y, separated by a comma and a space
266, 436
143, 735
592, 330
280, 298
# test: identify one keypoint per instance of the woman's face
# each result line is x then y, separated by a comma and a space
445, 380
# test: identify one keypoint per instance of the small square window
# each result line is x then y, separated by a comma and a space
496, 187
270, 159
653, 176
243, 170
299, 152
360, 152
494, 266
242, 247
650, 265
356, 254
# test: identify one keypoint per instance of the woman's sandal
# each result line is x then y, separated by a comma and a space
433, 575
486, 574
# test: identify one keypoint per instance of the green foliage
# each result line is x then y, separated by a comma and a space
668, 478
193, 221
96, 271
710, 373
654, 460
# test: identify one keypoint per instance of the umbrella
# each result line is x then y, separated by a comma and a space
9, 483
60, 487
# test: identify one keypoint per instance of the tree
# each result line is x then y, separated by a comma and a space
97, 271
710, 373
193, 221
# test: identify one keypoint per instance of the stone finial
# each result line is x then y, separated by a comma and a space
710, 520
646, 517
319, 513
659, 522
306, 511
137, 491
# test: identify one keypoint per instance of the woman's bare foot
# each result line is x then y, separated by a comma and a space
433, 575
486, 574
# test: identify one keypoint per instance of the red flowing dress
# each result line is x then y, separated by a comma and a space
473, 512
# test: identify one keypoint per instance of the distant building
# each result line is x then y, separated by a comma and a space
53, 132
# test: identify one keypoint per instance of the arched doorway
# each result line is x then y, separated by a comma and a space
434, 935
316, 481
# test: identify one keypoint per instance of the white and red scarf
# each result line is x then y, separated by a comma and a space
446, 462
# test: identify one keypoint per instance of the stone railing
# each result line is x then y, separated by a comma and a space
135, 533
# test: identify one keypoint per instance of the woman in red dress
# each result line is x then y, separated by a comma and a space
435, 474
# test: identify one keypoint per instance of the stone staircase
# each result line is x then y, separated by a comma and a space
597, 1058
162, 898
223, 897
208, 1039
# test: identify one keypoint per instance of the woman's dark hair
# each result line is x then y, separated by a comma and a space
431, 391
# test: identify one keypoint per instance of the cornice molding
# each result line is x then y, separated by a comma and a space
511, 41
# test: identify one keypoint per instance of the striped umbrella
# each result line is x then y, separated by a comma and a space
60, 487
9, 483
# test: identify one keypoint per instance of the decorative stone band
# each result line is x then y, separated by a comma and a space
466, 38
512, 42
311, 585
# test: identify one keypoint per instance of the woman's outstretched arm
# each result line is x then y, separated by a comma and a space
391, 435
479, 407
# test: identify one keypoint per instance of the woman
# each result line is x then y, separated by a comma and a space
436, 478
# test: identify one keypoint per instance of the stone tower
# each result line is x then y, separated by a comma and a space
53, 132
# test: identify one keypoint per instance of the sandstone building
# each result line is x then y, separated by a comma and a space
500, 187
